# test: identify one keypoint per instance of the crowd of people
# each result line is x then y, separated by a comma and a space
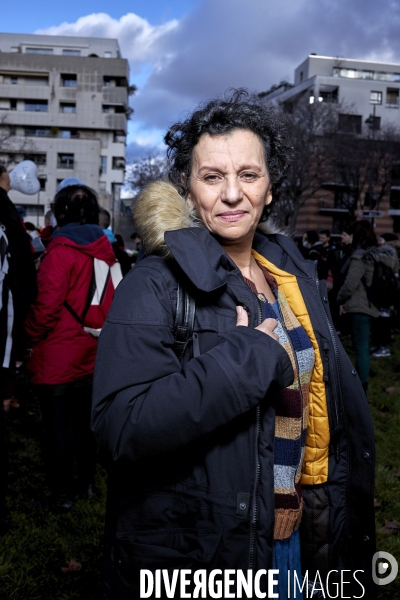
229, 416
57, 286
357, 308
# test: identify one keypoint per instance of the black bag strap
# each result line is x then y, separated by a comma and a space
184, 321
89, 298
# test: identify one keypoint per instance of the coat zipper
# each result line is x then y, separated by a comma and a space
338, 366
338, 369
258, 468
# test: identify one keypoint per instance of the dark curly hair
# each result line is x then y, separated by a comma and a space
76, 204
237, 110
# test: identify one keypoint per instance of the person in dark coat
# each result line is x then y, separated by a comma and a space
5, 341
256, 449
353, 295
21, 285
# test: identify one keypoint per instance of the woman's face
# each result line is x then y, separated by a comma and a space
229, 184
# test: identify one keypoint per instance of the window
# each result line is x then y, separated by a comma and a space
68, 80
119, 137
107, 54
6, 104
345, 199
113, 108
65, 161
395, 173
36, 105
367, 74
118, 162
68, 107
392, 98
65, 134
32, 210
71, 52
395, 199
113, 81
42, 182
369, 200
14, 79
329, 96
374, 122
39, 50
37, 132
375, 97
38, 159
103, 165
350, 123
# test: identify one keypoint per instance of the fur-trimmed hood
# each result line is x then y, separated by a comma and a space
159, 208
385, 254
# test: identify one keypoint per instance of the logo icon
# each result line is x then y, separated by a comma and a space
381, 561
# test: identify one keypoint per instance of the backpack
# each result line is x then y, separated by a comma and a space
100, 294
384, 289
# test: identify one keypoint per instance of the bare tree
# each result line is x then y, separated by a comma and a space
355, 165
11, 144
145, 170
313, 126
362, 165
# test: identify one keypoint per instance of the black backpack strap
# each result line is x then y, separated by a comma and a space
184, 322
89, 298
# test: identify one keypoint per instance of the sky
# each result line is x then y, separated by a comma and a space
182, 52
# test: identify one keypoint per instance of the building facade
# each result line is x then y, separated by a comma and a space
64, 105
367, 96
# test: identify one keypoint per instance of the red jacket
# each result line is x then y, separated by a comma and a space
62, 351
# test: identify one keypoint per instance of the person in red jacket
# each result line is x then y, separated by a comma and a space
63, 353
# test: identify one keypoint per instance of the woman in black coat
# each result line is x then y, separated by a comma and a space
244, 453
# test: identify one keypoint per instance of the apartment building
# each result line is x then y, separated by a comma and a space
64, 105
367, 96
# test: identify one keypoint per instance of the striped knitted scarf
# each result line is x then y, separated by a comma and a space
291, 409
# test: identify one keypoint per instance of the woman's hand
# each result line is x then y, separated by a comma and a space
266, 326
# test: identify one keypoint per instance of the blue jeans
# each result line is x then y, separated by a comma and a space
360, 331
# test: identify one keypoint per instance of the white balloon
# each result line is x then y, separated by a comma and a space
24, 178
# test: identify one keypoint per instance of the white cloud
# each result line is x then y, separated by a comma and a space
235, 43
140, 42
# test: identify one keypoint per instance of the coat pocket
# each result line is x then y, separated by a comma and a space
163, 549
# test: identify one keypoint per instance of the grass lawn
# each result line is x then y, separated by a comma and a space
39, 543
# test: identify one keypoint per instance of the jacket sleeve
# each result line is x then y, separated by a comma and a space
355, 273
53, 282
144, 403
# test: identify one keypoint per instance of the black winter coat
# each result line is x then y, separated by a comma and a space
191, 446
